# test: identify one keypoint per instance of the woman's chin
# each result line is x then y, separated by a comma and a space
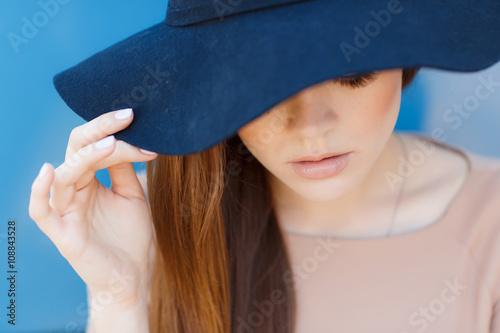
325, 190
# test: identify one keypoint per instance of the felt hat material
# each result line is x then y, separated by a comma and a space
213, 66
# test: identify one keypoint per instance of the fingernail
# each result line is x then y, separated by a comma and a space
106, 142
123, 114
147, 152
43, 170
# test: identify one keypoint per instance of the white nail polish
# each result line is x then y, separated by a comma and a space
106, 142
123, 114
43, 170
147, 151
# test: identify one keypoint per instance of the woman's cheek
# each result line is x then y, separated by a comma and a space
390, 94
256, 135
384, 107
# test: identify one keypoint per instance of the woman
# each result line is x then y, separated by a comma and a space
397, 233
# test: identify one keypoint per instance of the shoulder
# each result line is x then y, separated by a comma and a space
486, 165
475, 215
481, 222
451, 180
437, 175
485, 172
446, 163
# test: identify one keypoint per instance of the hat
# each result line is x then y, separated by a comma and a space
211, 67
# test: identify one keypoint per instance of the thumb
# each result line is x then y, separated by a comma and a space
124, 180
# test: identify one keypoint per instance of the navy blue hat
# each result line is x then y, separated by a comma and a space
211, 67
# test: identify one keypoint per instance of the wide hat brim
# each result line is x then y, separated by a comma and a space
193, 86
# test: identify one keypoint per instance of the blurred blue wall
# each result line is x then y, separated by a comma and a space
34, 128
35, 125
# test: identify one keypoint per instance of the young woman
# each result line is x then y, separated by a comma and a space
313, 217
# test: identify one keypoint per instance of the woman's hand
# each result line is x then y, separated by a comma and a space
105, 234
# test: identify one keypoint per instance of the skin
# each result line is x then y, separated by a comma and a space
105, 234
335, 118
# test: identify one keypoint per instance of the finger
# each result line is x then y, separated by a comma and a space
39, 208
125, 152
123, 180
64, 187
97, 129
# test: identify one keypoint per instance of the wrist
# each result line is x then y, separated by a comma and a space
118, 317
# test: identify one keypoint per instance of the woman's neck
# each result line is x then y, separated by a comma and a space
366, 210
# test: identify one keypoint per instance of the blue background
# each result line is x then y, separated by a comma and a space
35, 126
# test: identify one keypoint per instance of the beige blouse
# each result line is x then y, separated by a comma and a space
444, 278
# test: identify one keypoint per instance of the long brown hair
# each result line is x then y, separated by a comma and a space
220, 260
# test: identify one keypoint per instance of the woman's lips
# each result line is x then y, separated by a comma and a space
327, 167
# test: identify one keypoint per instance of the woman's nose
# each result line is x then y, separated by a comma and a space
312, 112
